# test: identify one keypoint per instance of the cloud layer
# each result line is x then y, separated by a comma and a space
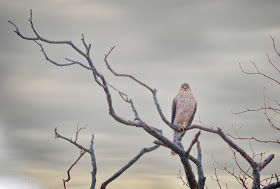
165, 43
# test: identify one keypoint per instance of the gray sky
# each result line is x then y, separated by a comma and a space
164, 44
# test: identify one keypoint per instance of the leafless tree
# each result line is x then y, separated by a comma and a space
271, 111
186, 158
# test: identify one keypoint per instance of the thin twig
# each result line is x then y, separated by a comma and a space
68, 171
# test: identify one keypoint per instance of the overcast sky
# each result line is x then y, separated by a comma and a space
164, 44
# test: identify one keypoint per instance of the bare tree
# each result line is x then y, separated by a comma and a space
186, 159
271, 111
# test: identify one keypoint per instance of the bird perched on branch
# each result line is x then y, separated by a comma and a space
183, 110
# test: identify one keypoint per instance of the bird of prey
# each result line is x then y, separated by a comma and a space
183, 110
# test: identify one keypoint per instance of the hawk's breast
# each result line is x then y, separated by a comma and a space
185, 107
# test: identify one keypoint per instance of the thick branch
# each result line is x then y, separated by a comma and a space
195, 161
130, 163
189, 173
93, 163
256, 177
236, 147
188, 169
273, 185
265, 162
201, 178
226, 139
171, 145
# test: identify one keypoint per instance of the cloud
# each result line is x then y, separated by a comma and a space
13, 182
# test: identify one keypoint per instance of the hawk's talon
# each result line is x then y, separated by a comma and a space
183, 128
172, 153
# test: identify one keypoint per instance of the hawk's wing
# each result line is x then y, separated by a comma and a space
190, 122
173, 110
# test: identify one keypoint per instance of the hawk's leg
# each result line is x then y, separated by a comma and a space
183, 127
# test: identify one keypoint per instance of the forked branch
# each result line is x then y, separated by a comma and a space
83, 151
257, 72
153, 91
195, 139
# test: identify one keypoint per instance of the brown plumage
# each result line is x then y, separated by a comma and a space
183, 110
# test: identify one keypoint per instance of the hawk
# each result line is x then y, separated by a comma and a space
183, 110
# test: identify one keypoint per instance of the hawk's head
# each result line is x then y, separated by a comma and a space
185, 87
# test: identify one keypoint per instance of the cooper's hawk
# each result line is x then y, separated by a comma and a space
183, 110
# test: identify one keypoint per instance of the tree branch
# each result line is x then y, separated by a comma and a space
78, 130
195, 139
68, 171
153, 91
265, 162
273, 185
217, 178
258, 73
130, 163
189, 173
277, 51
164, 145
57, 135
128, 100
93, 163
201, 178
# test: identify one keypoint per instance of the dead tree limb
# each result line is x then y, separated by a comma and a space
84, 150
126, 166
93, 163
153, 91
273, 185
194, 160
68, 171
57, 135
201, 177
195, 139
